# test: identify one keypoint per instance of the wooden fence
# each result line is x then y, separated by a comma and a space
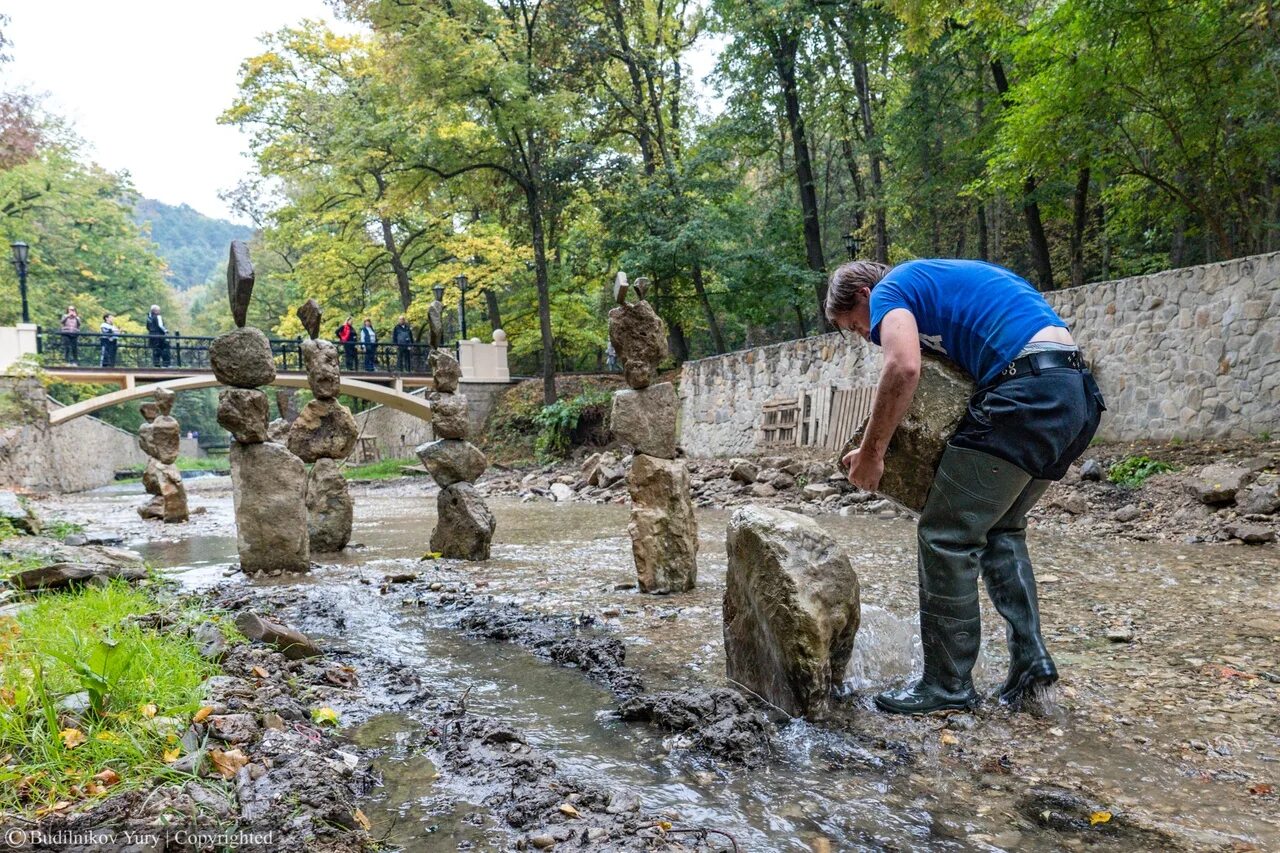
824, 418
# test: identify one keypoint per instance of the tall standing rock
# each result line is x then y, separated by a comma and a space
664, 533
791, 609
465, 526
159, 438
329, 508
269, 490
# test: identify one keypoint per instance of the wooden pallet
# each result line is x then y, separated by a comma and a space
849, 409
778, 424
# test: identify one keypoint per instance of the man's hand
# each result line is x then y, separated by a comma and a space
865, 469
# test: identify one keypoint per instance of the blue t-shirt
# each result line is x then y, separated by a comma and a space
978, 315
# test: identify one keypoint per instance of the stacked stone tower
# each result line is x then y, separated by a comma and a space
158, 438
268, 481
324, 433
464, 526
664, 533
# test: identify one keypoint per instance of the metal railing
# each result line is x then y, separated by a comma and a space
191, 352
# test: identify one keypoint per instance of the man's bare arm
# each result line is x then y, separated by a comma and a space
900, 340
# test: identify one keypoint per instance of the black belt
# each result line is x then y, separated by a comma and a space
1034, 363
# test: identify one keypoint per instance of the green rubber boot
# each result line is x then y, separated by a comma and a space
1006, 571
970, 494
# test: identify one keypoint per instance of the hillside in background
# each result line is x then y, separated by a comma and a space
192, 245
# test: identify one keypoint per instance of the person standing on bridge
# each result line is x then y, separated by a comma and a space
109, 338
369, 340
1036, 408
70, 325
402, 337
158, 337
347, 336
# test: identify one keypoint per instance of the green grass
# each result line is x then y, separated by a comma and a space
1133, 471
185, 463
69, 643
386, 469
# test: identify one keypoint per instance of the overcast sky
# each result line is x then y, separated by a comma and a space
144, 81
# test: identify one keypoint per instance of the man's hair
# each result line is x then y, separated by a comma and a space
106, 316
847, 280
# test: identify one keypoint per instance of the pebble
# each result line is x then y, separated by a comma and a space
1122, 634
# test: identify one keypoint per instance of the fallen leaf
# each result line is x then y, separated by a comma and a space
664, 825
93, 789
229, 762
260, 672
948, 739
148, 710
1261, 789
1099, 817
432, 555
59, 806
107, 737
172, 755
325, 715
7, 696
362, 820
202, 714
71, 738
107, 777
568, 810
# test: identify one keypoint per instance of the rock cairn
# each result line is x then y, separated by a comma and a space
464, 526
323, 433
268, 481
664, 533
158, 438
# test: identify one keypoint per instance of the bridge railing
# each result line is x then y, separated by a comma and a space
191, 352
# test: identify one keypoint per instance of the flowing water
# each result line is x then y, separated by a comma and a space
824, 791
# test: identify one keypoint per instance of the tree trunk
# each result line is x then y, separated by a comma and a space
397, 264
534, 203
491, 301
716, 337
863, 87
984, 247
800, 324
1030, 208
1079, 221
679, 345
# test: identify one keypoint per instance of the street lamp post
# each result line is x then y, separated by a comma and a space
20, 251
461, 281
851, 243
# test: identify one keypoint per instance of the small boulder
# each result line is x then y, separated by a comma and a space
646, 419
1250, 534
233, 728
210, 641
324, 429
791, 609
763, 490
445, 371
464, 526
242, 358
562, 492
160, 438
663, 530
329, 508
639, 338
320, 360
1218, 483
819, 491
1260, 499
291, 642
243, 412
743, 471
1127, 513
1091, 470
452, 460
449, 415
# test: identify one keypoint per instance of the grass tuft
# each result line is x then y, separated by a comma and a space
385, 469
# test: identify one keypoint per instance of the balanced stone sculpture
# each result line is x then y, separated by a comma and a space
324, 433
464, 525
268, 482
664, 533
158, 438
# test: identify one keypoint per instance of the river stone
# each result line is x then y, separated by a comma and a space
1250, 534
63, 575
242, 358
278, 431
646, 419
309, 313
243, 412
639, 338
320, 358
663, 530
324, 429
744, 471
269, 490
791, 609
449, 415
445, 371
464, 526
452, 460
171, 499
1260, 499
329, 508
294, 644
940, 401
240, 282
159, 439
150, 411
1218, 483
151, 476
164, 400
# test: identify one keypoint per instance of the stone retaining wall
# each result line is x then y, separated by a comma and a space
398, 433
1187, 353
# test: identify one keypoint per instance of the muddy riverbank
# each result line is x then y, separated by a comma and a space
1164, 735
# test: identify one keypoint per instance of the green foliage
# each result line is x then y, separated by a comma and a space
557, 421
1133, 471
383, 469
193, 246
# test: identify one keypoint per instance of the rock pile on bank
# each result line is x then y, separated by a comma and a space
268, 480
664, 534
159, 438
324, 433
464, 525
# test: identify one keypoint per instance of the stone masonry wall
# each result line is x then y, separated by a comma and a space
1187, 353
398, 433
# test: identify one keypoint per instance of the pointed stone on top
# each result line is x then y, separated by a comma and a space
309, 314
620, 288
239, 281
642, 287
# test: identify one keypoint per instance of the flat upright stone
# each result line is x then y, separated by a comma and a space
445, 371
452, 460
242, 358
620, 288
294, 644
639, 338
239, 282
309, 313
449, 415
287, 403
663, 530
324, 429
243, 412
269, 489
150, 411
320, 359
645, 418
911, 460
464, 526
329, 508
164, 400
791, 609
435, 323
159, 439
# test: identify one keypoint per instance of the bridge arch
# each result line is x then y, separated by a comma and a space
389, 397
